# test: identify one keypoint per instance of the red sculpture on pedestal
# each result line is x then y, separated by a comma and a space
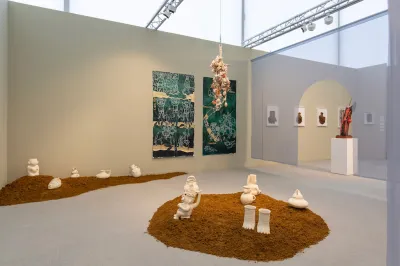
345, 121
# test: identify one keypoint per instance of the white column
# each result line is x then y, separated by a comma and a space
249, 217
263, 221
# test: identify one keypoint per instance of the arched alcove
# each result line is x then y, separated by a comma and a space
314, 142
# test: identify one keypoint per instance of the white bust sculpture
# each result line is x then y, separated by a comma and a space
54, 183
75, 173
191, 185
185, 208
252, 184
297, 200
104, 174
134, 171
33, 167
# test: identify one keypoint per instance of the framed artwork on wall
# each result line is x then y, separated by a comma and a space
322, 117
340, 115
299, 116
272, 116
369, 118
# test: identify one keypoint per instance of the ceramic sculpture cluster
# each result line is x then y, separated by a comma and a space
221, 83
33, 170
190, 192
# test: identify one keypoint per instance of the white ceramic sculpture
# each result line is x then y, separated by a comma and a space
75, 173
247, 197
185, 208
249, 217
54, 183
134, 171
33, 167
252, 184
297, 200
104, 174
191, 185
263, 221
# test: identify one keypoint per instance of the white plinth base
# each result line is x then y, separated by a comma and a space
344, 156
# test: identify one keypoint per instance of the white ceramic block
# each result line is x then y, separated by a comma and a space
33, 167
344, 156
249, 217
263, 221
104, 174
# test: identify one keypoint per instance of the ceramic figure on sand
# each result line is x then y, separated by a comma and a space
263, 221
54, 183
75, 173
104, 174
252, 184
185, 208
247, 197
249, 217
33, 167
191, 185
297, 200
134, 171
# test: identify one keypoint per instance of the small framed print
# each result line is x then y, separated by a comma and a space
369, 118
322, 117
341, 110
272, 116
299, 116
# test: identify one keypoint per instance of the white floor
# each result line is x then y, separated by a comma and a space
108, 227
366, 168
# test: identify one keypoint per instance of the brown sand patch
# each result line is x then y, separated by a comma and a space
216, 228
33, 189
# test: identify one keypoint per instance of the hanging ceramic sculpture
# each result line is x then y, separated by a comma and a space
297, 200
191, 185
247, 197
249, 217
185, 208
263, 221
252, 184
134, 171
75, 173
104, 174
221, 83
54, 183
33, 167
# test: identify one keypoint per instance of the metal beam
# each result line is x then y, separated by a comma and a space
322, 10
160, 17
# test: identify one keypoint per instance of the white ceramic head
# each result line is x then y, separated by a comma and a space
297, 194
33, 161
246, 189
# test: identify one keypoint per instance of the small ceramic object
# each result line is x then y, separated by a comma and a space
134, 171
252, 184
297, 200
263, 221
249, 217
185, 208
104, 174
191, 185
75, 173
54, 183
33, 167
247, 197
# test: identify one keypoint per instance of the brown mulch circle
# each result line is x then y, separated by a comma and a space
216, 228
34, 189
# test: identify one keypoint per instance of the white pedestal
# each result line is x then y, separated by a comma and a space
344, 156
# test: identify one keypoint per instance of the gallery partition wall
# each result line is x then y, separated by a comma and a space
299, 93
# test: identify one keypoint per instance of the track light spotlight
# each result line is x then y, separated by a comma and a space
171, 9
304, 28
328, 20
166, 13
311, 26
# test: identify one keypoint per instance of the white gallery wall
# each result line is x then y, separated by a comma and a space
3, 90
81, 93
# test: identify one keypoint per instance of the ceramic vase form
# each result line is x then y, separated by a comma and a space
134, 171
33, 167
249, 217
191, 185
75, 173
54, 183
252, 184
185, 208
297, 200
104, 174
247, 197
263, 221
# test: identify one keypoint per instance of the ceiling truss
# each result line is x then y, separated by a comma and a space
164, 12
